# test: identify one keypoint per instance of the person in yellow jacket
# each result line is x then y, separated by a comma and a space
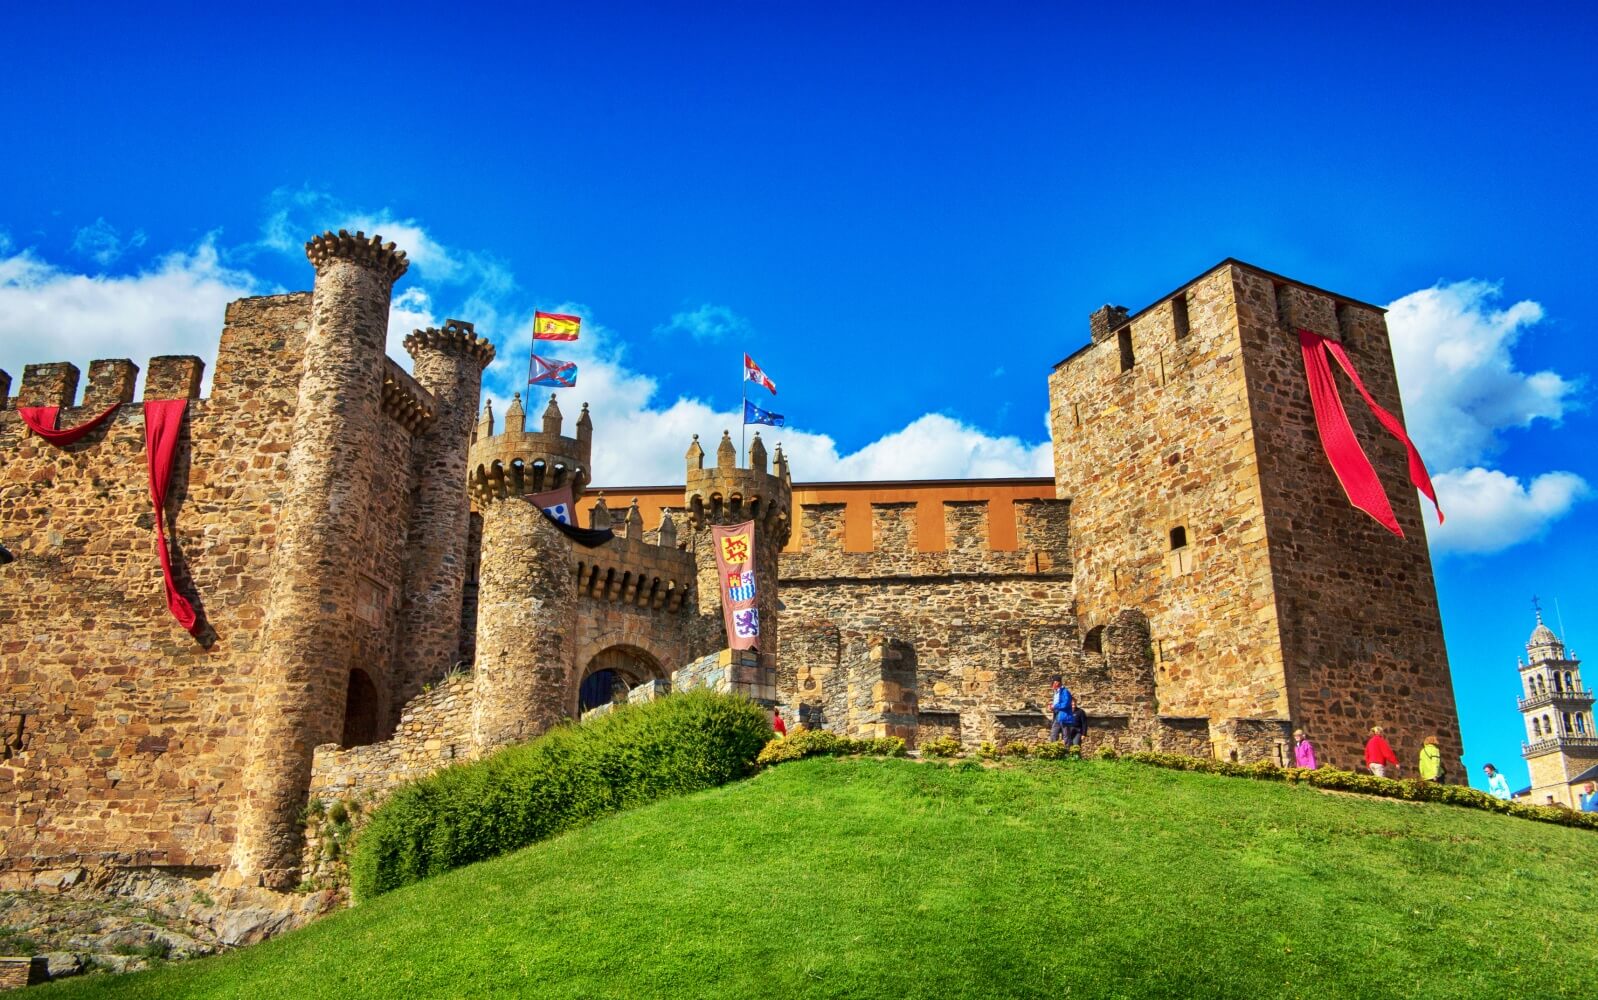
1431, 760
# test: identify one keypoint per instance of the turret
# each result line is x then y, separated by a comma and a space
448, 363
526, 618
730, 495
307, 649
527, 462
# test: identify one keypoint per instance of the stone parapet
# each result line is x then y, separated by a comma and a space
404, 400
373, 254
636, 571
456, 337
730, 672
517, 462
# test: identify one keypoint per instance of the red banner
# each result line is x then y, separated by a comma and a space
735, 567
41, 419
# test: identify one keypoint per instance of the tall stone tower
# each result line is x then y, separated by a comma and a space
1561, 745
1185, 439
725, 495
307, 650
448, 363
527, 591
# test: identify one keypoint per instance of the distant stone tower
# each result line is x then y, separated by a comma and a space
1561, 747
725, 495
448, 363
307, 649
1185, 440
527, 590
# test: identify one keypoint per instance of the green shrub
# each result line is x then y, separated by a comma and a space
986, 750
1015, 750
1051, 751
804, 742
943, 746
565, 778
1413, 790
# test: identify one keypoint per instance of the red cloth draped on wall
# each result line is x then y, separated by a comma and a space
1343, 451
41, 420
163, 420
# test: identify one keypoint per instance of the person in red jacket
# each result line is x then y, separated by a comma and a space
780, 727
1379, 755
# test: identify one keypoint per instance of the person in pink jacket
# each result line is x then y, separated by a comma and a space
1303, 751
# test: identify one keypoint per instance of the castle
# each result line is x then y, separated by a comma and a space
377, 597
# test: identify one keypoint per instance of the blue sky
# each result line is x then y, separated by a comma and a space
905, 214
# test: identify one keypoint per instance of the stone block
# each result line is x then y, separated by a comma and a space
174, 376
110, 381
54, 384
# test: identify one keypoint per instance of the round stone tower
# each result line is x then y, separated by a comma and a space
725, 495
303, 672
448, 363
526, 619
520, 461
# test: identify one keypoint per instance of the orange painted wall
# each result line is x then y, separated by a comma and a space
857, 498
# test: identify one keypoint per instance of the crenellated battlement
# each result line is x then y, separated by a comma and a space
727, 494
638, 571
456, 336
523, 461
1041, 533
405, 400
111, 380
384, 258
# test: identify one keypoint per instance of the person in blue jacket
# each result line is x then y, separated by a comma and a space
1061, 712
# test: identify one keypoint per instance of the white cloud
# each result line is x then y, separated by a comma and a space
1453, 349
1489, 511
101, 243
177, 306
708, 322
174, 307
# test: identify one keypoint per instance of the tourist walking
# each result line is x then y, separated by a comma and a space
1589, 798
777, 725
1379, 754
1497, 784
1060, 714
1431, 760
1303, 751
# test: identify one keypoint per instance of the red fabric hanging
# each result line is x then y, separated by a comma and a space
1348, 460
41, 419
1417, 468
163, 419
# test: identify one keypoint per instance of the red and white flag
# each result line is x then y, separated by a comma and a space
752, 373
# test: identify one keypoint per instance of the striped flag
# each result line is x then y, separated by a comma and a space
555, 326
752, 373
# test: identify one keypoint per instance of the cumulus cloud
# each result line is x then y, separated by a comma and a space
101, 243
1489, 511
1453, 348
708, 322
48, 313
177, 304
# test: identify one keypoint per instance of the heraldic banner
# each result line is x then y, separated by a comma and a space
735, 565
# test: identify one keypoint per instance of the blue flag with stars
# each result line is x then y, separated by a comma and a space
755, 415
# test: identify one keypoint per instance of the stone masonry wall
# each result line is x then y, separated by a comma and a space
134, 731
1168, 443
984, 629
1357, 606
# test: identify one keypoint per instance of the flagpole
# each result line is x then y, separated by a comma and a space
743, 412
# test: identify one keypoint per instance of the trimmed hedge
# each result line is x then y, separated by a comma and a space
1411, 789
804, 742
565, 778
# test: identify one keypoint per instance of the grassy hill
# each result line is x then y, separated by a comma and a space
890, 878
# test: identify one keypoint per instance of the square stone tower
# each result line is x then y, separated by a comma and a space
1185, 438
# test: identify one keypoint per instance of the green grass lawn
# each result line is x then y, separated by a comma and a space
890, 878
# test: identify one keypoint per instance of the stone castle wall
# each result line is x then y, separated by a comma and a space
134, 731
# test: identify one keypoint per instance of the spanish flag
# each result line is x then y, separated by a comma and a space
555, 326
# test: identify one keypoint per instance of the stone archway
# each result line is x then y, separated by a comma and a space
360, 710
614, 670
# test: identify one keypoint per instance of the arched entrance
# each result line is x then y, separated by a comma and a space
360, 711
612, 673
